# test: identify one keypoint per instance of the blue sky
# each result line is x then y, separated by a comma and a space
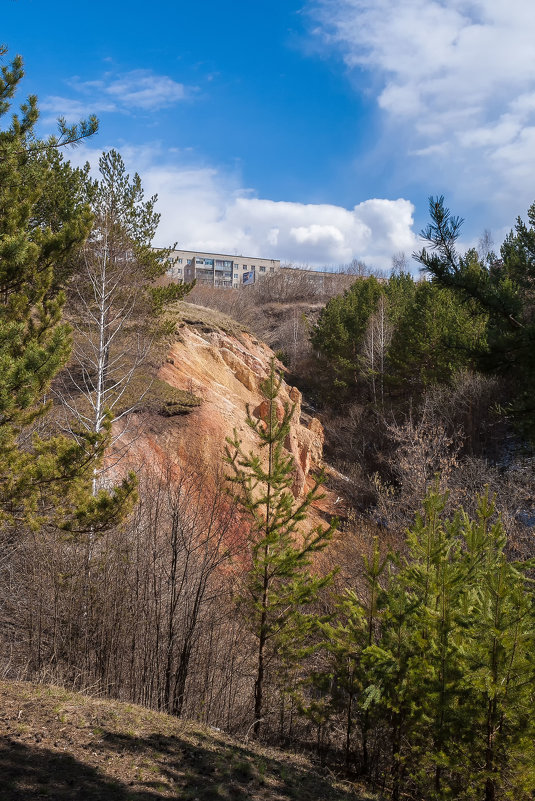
309, 131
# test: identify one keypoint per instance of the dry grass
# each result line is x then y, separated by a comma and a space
159, 397
204, 318
65, 746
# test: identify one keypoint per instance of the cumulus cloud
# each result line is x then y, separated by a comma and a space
208, 209
141, 90
456, 77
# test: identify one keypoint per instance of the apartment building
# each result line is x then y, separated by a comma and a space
219, 269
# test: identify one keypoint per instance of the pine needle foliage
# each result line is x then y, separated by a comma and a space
444, 678
279, 584
501, 290
41, 478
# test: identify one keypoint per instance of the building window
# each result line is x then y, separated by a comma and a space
180, 261
262, 269
189, 261
244, 266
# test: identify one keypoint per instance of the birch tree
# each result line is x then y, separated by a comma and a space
376, 343
114, 304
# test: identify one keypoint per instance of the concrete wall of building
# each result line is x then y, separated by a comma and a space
219, 269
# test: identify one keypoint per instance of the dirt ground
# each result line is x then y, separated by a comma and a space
64, 746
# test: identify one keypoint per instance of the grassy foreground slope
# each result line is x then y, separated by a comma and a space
64, 746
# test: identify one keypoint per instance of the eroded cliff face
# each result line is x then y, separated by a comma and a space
225, 369
219, 367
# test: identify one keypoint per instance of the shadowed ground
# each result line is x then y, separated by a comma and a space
66, 747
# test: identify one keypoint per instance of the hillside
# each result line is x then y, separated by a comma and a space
219, 366
68, 747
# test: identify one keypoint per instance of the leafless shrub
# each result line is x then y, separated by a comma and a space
423, 455
468, 406
152, 620
287, 285
511, 487
291, 284
236, 303
432, 449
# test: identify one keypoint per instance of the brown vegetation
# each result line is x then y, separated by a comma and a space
146, 612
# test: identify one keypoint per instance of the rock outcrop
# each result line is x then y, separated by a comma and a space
225, 370
218, 368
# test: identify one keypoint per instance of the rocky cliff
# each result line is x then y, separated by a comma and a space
216, 361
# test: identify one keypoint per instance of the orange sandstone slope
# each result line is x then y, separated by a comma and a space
223, 365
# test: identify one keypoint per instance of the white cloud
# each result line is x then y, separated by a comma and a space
143, 90
324, 236
124, 93
208, 209
73, 110
457, 77
135, 89
204, 209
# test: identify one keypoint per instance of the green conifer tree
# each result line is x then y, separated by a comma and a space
340, 330
499, 683
279, 583
452, 672
501, 291
40, 478
435, 338
343, 684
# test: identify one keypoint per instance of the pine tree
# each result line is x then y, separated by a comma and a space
436, 578
354, 333
279, 583
341, 329
342, 686
434, 661
393, 670
40, 478
452, 672
434, 339
501, 291
499, 679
